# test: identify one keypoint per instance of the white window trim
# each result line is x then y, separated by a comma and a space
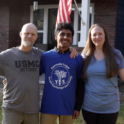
45, 29
92, 19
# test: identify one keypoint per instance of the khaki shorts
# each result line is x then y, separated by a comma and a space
51, 119
13, 117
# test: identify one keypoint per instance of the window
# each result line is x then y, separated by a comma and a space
45, 18
38, 20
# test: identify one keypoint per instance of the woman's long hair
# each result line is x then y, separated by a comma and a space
110, 61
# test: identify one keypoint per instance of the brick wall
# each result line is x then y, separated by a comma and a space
19, 14
4, 25
105, 14
15, 13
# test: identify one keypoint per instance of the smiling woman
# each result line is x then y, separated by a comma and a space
101, 66
98, 36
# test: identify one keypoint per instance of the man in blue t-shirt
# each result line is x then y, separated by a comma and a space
64, 87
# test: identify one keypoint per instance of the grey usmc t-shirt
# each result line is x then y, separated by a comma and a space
21, 69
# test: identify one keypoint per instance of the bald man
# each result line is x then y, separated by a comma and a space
20, 65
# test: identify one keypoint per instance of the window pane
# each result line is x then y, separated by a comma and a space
38, 18
78, 37
79, 22
39, 39
79, 19
72, 16
51, 26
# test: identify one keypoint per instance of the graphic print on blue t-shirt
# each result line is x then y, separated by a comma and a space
61, 74
60, 77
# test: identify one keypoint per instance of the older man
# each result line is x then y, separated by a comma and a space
20, 65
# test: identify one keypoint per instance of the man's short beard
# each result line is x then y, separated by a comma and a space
27, 44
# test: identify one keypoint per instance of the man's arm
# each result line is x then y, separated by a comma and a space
74, 53
79, 97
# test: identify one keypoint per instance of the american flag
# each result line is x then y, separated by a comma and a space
64, 11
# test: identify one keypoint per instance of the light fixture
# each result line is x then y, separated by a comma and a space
35, 5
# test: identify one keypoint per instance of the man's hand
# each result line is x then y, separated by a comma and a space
74, 53
76, 114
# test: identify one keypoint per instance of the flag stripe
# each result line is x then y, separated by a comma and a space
61, 15
64, 11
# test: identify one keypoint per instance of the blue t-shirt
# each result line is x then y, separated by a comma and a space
101, 93
61, 74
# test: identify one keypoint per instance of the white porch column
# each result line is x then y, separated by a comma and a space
75, 27
84, 28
